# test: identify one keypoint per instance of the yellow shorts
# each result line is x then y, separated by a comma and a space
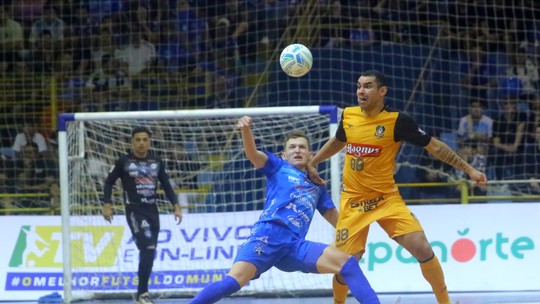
357, 213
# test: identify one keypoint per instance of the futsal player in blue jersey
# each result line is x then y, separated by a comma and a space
278, 237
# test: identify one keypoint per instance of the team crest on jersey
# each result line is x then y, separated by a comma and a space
379, 131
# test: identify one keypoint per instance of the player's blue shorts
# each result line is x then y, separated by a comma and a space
273, 244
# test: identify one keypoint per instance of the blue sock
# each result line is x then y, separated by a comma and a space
216, 291
359, 285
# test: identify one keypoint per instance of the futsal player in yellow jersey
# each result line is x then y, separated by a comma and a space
371, 134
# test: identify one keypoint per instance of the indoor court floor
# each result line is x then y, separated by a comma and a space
532, 297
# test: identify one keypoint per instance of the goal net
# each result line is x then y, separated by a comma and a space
218, 188
439, 56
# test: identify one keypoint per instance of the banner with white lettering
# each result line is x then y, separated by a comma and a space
481, 247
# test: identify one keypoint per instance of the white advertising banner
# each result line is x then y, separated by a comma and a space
484, 247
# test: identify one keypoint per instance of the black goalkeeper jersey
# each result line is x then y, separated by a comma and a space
140, 178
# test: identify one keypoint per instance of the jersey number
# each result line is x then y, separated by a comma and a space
342, 234
357, 164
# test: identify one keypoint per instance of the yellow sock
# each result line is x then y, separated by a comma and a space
433, 273
341, 291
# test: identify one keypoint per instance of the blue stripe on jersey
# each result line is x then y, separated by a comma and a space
291, 198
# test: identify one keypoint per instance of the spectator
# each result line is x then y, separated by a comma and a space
11, 43
193, 29
104, 46
173, 52
138, 54
81, 33
109, 85
138, 21
477, 76
23, 83
225, 46
334, 26
69, 78
222, 95
475, 126
36, 174
236, 11
361, 34
461, 19
266, 26
525, 69
48, 22
44, 53
28, 136
116, 29
508, 133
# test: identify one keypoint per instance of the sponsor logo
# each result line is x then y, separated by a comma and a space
363, 150
367, 205
379, 131
41, 246
462, 250
294, 179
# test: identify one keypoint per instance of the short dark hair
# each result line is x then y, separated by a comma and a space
296, 134
477, 100
141, 129
380, 78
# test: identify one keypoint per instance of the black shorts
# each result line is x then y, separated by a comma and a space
143, 222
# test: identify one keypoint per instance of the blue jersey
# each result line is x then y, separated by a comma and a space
291, 197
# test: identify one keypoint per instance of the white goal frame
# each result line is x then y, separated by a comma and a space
63, 119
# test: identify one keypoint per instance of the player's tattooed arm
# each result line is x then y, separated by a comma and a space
444, 153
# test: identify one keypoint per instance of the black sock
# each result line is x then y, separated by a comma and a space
146, 261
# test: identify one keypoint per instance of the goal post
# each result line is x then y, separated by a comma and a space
222, 181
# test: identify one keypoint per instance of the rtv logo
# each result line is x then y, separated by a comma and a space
41, 246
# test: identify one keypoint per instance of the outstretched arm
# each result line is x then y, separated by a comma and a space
444, 153
331, 147
257, 158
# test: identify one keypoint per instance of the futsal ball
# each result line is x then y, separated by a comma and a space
296, 60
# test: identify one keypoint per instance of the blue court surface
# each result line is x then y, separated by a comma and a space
531, 297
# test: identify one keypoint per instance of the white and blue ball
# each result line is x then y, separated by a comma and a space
296, 60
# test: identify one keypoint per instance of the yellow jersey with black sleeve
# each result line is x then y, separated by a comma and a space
372, 145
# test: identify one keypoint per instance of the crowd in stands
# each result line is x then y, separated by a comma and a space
109, 55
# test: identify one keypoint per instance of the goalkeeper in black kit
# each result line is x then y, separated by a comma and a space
140, 174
